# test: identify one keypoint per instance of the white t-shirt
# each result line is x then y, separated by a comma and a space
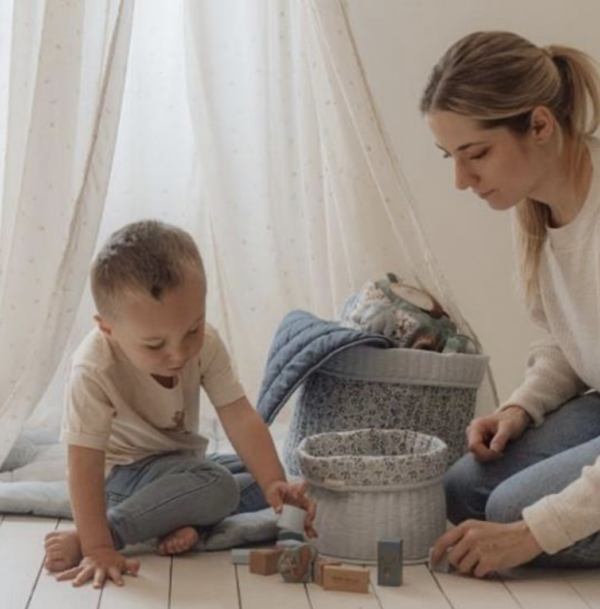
567, 362
113, 407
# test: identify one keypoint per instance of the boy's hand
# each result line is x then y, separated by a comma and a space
100, 565
278, 493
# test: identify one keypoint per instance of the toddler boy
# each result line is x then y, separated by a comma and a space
137, 465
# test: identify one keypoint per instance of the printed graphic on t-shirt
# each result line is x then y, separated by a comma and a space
178, 421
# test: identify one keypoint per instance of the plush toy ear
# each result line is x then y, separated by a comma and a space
418, 298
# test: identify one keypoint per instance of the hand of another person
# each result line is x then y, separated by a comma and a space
487, 436
101, 565
478, 548
281, 492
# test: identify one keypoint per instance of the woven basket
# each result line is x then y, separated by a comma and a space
374, 484
362, 387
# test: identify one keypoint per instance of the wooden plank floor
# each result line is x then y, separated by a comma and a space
210, 581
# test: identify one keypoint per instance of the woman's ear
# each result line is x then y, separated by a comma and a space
543, 124
102, 325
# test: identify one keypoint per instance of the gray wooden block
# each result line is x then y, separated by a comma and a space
286, 534
240, 556
442, 565
389, 562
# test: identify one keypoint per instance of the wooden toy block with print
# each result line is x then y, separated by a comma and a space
264, 562
346, 578
318, 566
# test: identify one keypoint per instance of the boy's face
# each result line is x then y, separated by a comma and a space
160, 336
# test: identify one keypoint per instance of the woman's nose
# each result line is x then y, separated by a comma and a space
463, 178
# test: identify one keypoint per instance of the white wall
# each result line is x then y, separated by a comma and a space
399, 41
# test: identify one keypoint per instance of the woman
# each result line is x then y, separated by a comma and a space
517, 120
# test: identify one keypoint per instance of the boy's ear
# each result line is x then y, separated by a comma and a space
102, 325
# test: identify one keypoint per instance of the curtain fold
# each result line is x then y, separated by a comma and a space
355, 143
248, 123
302, 199
67, 71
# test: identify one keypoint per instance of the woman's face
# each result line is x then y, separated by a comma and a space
496, 164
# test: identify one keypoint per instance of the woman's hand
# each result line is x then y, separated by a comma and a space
487, 436
101, 565
278, 493
478, 548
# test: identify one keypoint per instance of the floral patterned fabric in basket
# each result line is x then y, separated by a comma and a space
372, 458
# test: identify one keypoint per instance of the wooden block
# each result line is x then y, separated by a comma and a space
346, 578
264, 562
240, 556
296, 563
292, 518
288, 543
286, 535
318, 569
389, 562
441, 566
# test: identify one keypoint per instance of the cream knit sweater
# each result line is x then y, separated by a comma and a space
567, 362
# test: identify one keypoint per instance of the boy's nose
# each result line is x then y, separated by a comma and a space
177, 358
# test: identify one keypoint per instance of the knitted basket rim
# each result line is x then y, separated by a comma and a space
426, 458
411, 366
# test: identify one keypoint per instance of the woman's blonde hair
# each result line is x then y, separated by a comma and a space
498, 78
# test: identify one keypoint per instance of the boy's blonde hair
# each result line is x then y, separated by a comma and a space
498, 78
147, 256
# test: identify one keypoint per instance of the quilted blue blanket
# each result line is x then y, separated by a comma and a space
303, 343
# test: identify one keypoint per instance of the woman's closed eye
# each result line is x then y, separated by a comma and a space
474, 157
479, 155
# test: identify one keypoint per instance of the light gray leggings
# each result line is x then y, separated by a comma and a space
159, 494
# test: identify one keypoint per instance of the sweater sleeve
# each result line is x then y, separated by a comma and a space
556, 521
549, 378
560, 520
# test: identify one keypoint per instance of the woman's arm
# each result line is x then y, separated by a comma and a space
550, 380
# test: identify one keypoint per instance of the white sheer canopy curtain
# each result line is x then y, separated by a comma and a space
299, 197
65, 68
247, 122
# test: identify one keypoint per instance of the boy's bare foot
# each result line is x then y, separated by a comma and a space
178, 541
63, 551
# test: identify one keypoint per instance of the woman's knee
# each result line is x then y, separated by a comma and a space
462, 484
505, 504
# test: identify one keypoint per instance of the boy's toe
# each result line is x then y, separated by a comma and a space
54, 565
49, 540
